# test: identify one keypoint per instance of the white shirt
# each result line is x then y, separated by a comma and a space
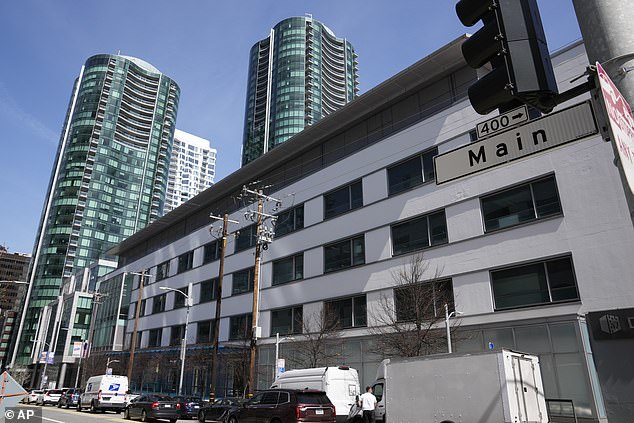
368, 401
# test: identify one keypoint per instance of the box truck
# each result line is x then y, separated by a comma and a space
491, 387
341, 384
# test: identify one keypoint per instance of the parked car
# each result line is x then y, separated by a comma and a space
286, 406
152, 406
220, 409
189, 406
70, 398
32, 396
49, 396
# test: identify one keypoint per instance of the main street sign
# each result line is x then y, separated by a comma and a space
541, 134
621, 123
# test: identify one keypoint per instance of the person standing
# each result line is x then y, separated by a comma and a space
368, 404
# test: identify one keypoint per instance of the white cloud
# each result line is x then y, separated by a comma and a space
11, 111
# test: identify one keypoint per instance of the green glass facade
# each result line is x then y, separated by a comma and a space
299, 74
109, 177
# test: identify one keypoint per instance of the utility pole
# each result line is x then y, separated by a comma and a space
221, 271
606, 27
263, 238
136, 326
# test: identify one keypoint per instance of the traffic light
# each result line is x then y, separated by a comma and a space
512, 39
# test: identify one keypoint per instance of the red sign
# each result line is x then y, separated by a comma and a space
621, 123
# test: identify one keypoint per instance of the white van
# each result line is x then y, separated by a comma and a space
105, 392
341, 384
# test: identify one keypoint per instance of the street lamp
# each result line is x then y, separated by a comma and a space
277, 350
447, 317
184, 341
108, 362
48, 352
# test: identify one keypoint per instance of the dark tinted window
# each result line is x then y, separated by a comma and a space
208, 290
289, 221
312, 398
340, 201
269, 398
412, 172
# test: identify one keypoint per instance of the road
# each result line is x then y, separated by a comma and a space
52, 414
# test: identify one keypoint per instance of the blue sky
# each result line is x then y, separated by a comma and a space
204, 47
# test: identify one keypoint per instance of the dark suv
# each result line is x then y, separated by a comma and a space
286, 406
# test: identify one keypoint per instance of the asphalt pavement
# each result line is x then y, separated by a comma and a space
52, 414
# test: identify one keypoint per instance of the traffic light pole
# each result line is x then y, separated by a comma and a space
606, 27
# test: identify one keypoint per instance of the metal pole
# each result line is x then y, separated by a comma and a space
221, 270
277, 354
136, 326
447, 328
184, 344
256, 290
608, 38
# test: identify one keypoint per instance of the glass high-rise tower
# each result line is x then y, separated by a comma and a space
300, 73
109, 177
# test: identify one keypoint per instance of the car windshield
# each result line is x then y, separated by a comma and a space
55, 392
313, 398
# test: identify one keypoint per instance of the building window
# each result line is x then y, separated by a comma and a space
545, 282
525, 203
240, 327
205, 332
347, 312
162, 270
288, 269
245, 238
343, 254
154, 339
419, 233
412, 172
208, 290
158, 303
142, 311
179, 299
177, 333
211, 251
138, 339
242, 281
343, 199
185, 262
289, 221
287, 321
423, 301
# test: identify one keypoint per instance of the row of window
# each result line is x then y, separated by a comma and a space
544, 282
527, 202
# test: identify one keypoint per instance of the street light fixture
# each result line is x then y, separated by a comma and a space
277, 350
447, 317
108, 362
188, 304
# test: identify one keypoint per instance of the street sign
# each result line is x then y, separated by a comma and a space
621, 123
77, 348
502, 122
281, 364
538, 135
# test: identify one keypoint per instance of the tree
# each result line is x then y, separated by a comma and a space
322, 329
410, 322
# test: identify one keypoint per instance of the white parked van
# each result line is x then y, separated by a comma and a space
105, 392
341, 384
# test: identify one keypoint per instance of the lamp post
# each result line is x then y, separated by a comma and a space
184, 341
108, 362
277, 350
447, 317
48, 347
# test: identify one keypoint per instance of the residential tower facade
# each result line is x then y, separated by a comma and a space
109, 176
192, 169
297, 75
